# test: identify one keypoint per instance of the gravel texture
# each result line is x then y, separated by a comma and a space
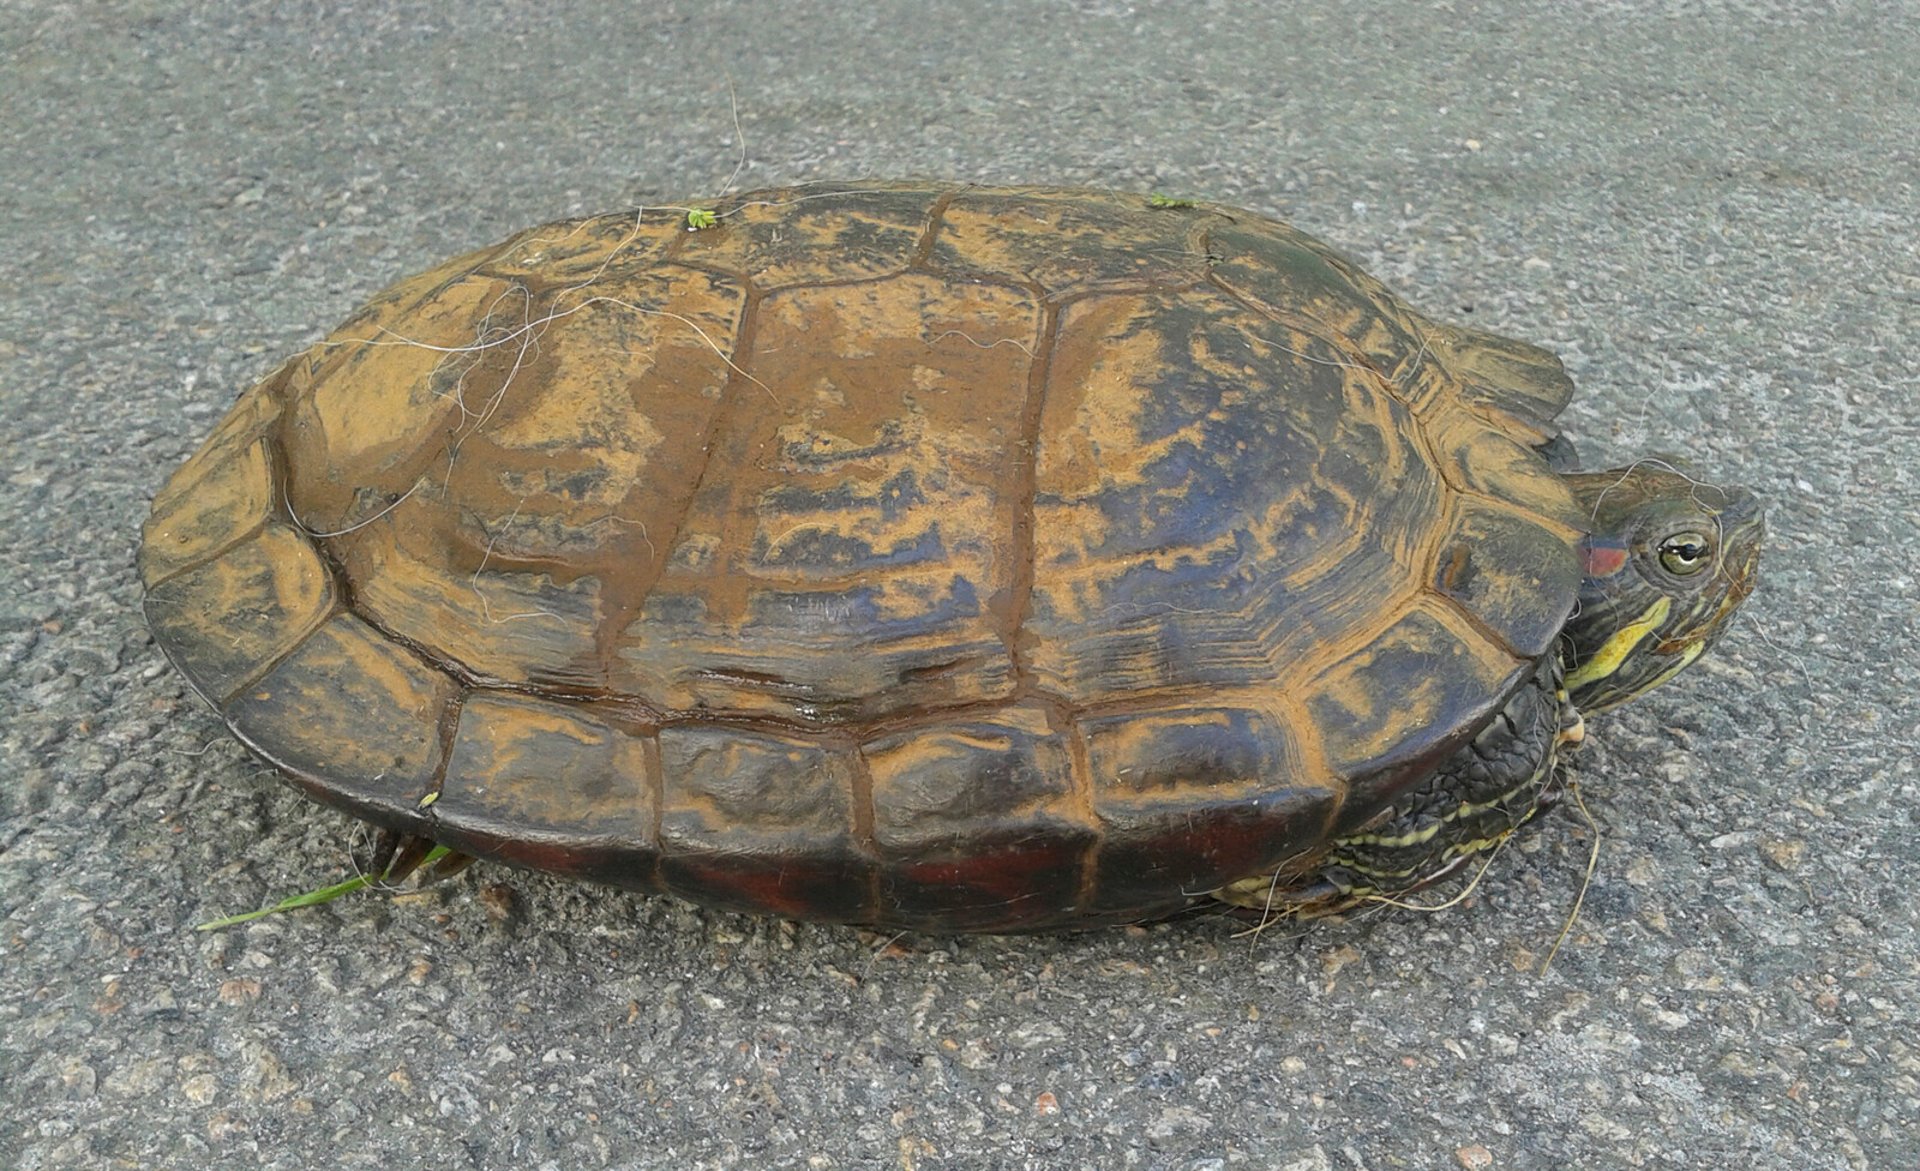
1708, 208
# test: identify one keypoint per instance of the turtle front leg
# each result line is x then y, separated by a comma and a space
1497, 782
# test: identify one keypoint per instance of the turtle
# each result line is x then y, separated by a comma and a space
931, 557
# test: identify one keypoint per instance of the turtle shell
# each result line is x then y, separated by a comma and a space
943, 557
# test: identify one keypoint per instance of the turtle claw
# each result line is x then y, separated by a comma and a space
1265, 899
397, 855
408, 852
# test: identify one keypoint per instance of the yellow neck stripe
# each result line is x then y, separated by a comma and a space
1615, 650
1680, 664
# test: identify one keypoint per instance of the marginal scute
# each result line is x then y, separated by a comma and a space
540, 783
1523, 387
1489, 463
1389, 709
226, 619
764, 821
1499, 564
219, 496
1140, 757
937, 786
1192, 798
977, 820
353, 717
720, 779
252, 415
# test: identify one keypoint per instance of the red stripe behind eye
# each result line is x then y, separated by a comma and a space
1602, 560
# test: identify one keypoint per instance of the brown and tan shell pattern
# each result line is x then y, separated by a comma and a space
932, 556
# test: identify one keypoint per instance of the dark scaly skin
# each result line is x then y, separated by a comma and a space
1668, 561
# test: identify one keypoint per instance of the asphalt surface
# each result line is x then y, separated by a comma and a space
1709, 209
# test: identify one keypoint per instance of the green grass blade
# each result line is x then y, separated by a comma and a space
314, 898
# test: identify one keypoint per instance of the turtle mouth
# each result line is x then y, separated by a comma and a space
1743, 527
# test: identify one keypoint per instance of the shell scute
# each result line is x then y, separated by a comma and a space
979, 821
1498, 565
1482, 461
1301, 283
550, 502
940, 785
380, 399
543, 784
759, 821
1521, 387
354, 717
226, 618
581, 251
1389, 709
220, 496
1200, 471
1190, 797
811, 235
800, 560
1066, 241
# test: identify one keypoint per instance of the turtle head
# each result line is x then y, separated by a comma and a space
1667, 560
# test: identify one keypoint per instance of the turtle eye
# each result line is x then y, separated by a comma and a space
1684, 554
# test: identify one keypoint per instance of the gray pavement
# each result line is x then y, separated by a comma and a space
1708, 208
